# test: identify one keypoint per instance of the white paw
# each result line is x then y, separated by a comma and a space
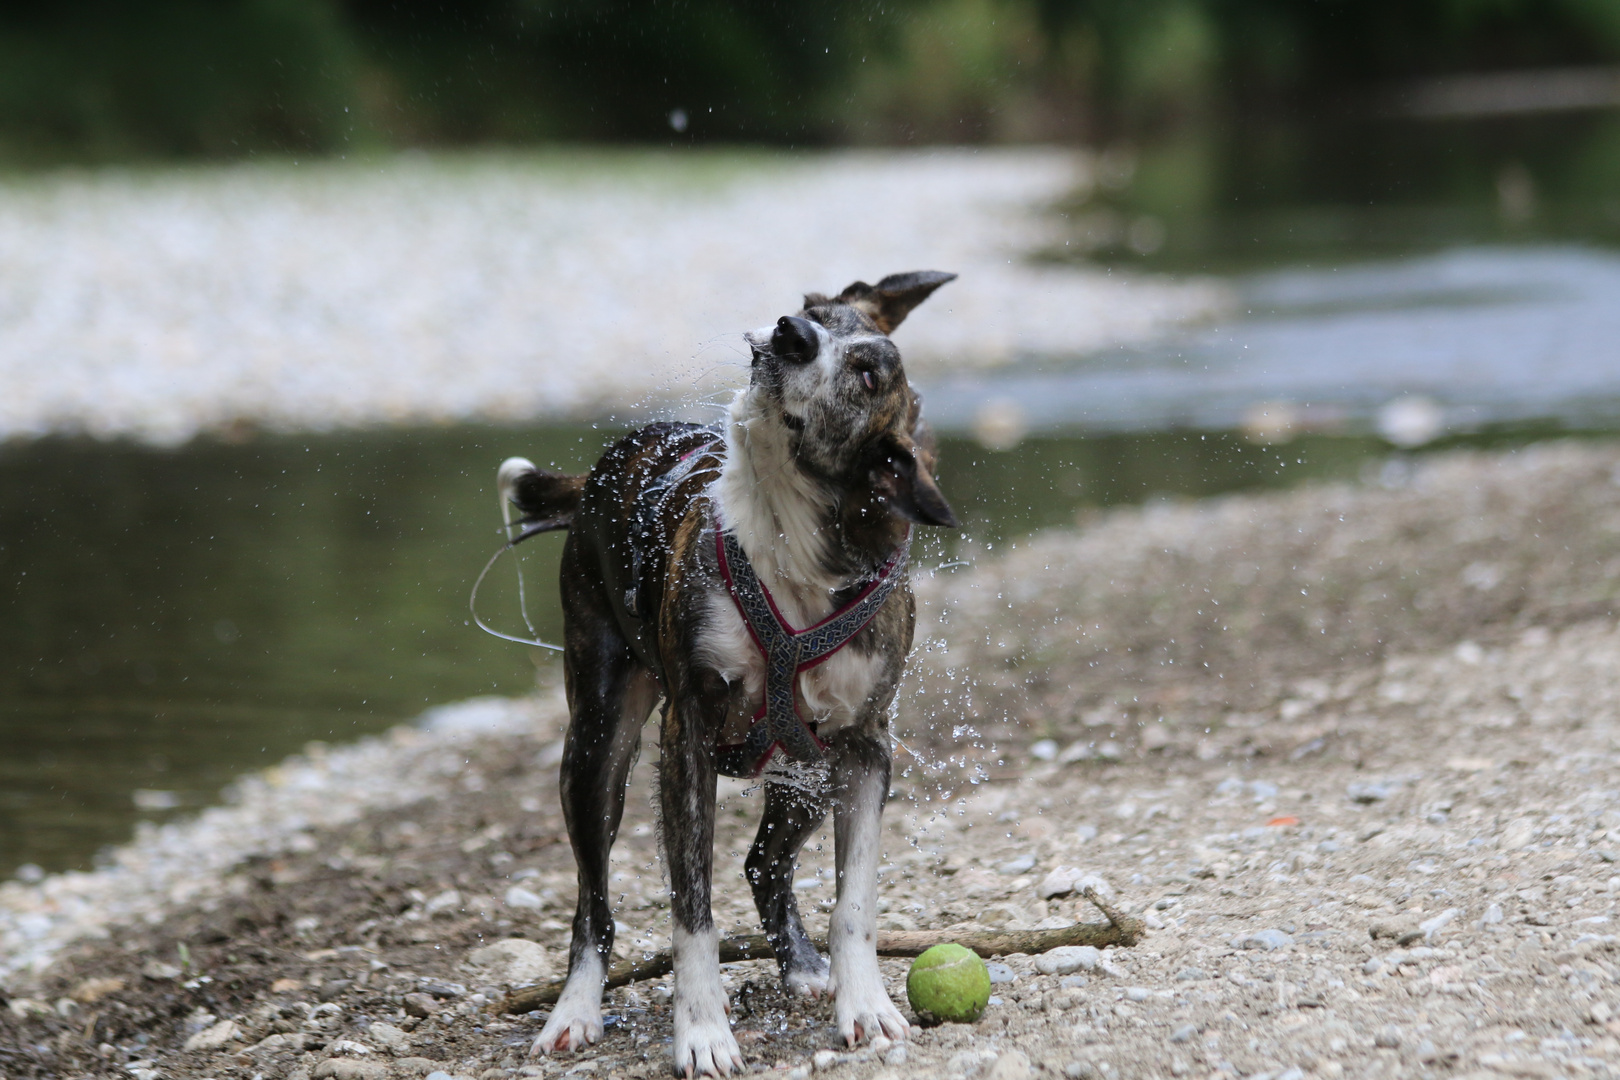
574, 1024
810, 984
705, 1047
865, 1011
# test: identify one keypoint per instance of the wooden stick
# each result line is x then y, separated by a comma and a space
1120, 929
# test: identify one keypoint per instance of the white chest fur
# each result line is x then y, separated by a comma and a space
831, 695
776, 512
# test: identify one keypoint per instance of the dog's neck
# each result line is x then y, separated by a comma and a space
783, 517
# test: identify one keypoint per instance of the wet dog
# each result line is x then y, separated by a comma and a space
752, 575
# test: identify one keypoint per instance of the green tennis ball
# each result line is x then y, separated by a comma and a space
948, 984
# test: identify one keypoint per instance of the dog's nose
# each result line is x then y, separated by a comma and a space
795, 340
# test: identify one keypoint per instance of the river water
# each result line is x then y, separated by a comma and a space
173, 617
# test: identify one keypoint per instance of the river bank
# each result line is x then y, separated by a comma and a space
1371, 837
156, 305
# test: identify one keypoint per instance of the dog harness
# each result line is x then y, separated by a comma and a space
787, 652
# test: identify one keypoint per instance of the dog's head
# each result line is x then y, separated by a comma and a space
832, 380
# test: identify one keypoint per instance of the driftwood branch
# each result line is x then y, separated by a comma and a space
1120, 929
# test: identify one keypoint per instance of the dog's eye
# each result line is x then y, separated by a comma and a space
869, 379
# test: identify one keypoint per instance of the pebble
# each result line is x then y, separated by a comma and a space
1060, 882
896, 1055
1184, 1033
1388, 1038
1268, 940
214, 1036
420, 1006
1191, 974
1001, 973
823, 1060
522, 899
1067, 959
1020, 865
512, 961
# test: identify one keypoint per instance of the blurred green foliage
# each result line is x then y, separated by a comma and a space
113, 79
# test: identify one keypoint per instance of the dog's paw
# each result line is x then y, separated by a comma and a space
865, 1011
572, 1026
806, 981
705, 1047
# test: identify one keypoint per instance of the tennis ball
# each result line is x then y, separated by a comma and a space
948, 983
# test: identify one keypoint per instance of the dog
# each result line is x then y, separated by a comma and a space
752, 576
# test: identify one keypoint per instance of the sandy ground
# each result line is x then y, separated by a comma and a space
159, 304
1375, 836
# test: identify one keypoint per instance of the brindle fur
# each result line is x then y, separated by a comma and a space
639, 576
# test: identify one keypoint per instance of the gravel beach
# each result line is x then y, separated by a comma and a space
155, 305
1377, 835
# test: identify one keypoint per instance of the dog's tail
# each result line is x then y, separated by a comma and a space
547, 500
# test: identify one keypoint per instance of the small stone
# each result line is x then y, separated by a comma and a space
420, 1005
1044, 750
1373, 965
1268, 940
1191, 974
823, 1060
879, 1045
1293, 1072
896, 1055
1011, 1065
158, 971
1137, 993
1600, 1013
1067, 959
1493, 915
438, 1074
1073, 982
286, 986
1080, 1070
1023, 864
271, 1044
1431, 927
1059, 882
1388, 1038
213, 1037
421, 1066
1001, 973
524, 900
799, 1072
390, 1038
1369, 792
333, 989
1426, 1051
1184, 1033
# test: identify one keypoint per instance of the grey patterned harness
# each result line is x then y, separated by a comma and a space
787, 652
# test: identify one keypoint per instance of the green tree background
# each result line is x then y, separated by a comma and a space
94, 80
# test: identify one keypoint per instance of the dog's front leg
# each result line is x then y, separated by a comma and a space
860, 788
704, 1044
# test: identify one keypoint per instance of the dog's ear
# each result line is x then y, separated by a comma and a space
889, 301
901, 478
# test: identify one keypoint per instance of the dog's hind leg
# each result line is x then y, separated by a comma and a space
792, 813
860, 775
704, 1043
609, 697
